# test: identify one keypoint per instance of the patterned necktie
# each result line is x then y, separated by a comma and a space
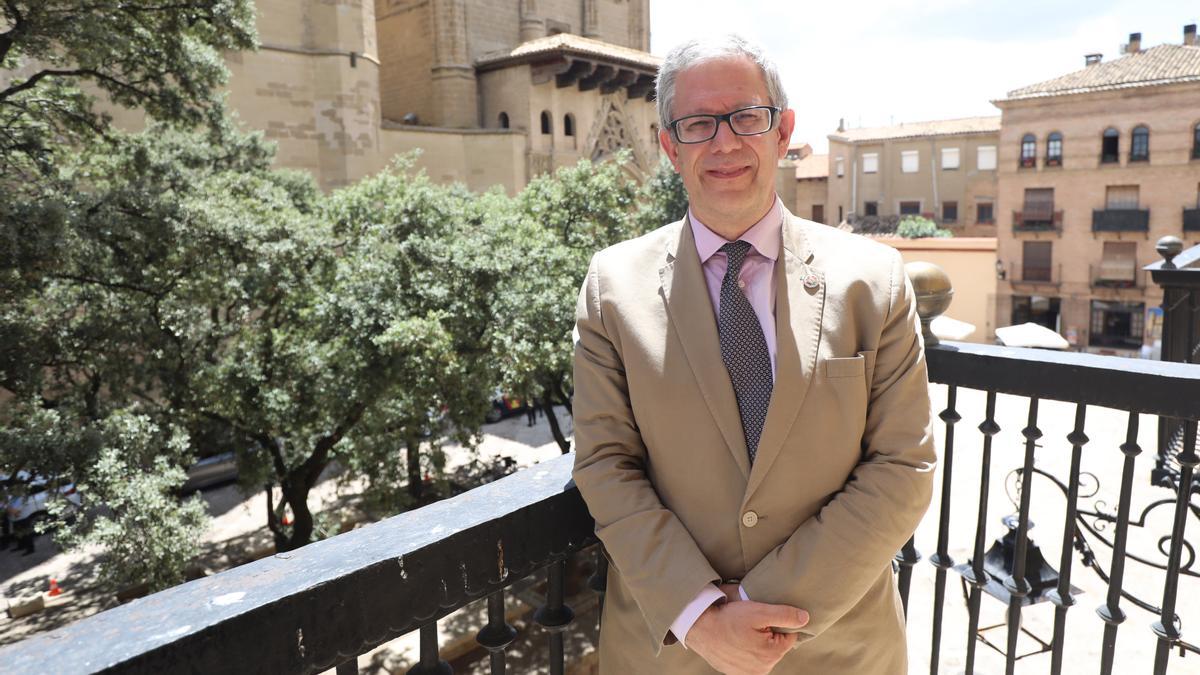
744, 349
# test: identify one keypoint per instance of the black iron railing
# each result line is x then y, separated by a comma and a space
321, 606
1024, 274
1121, 220
1038, 219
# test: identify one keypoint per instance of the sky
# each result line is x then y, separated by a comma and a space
879, 62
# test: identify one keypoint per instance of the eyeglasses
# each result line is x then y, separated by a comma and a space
751, 121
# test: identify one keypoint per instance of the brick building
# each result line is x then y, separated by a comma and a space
1094, 167
944, 170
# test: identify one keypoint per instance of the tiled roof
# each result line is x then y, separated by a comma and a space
813, 166
570, 44
965, 125
1164, 64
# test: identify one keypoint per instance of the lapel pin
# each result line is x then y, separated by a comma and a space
811, 282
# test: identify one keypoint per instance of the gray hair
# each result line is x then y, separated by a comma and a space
697, 51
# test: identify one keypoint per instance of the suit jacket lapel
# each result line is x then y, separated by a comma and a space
798, 310
691, 319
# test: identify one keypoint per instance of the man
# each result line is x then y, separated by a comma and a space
751, 408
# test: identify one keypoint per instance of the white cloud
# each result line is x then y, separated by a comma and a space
877, 62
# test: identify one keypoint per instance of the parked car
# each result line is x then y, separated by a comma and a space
504, 406
210, 471
25, 499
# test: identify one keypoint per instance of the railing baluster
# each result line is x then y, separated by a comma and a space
1167, 628
975, 574
430, 663
554, 616
1111, 612
1061, 596
907, 557
941, 559
1017, 585
497, 634
598, 582
348, 668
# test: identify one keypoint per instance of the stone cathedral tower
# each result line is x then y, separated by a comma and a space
492, 92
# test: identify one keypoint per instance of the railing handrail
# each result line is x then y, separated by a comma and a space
1141, 385
313, 608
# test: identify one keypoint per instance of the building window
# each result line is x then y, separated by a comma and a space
503, 120
871, 162
984, 215
1039, 205
1028, 151
546, 127
1035, 265
985, 158
910, 161
818, 213
910, 208
568, 125
1196, 142
841, 167
949, 159
1117, 324
949, 212
1035, 309
839, 215
1110, 146
1118, 266
1054, 149
1121, 197
870, 208
1139, 149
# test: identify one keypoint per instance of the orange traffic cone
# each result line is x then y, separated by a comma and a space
54, 589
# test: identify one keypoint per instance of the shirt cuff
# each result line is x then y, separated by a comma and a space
742, 592
705, 599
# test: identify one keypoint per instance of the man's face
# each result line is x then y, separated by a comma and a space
730, 179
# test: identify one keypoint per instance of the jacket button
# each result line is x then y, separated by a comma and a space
749, 519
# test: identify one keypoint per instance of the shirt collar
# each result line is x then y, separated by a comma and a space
765, 235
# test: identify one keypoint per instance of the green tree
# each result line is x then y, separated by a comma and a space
916, 227
664, 199
559, 222
147, 534
163, 58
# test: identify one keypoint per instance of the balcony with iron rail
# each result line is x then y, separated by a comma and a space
320, 607
1121, 220
1038, 219
1020, 274
1106, 276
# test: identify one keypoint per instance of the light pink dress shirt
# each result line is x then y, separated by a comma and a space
757, 280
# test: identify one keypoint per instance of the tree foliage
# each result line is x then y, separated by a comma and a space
916, 227
167, 294
163, 58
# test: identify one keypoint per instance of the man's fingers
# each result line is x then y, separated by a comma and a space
779, 616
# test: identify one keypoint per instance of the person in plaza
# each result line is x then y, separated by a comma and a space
752, 416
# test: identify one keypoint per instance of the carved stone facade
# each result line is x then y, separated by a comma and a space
344, 86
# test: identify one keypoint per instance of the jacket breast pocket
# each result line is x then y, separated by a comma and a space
851, 366
862, 365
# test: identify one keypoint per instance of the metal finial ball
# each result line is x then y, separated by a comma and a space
1169, 247
934, 293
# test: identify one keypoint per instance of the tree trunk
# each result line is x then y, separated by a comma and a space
416, 482
548, 408
295, 494
563, 397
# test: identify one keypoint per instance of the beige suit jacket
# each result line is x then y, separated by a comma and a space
844, 467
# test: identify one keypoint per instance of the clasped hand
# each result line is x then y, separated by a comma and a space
736, 637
